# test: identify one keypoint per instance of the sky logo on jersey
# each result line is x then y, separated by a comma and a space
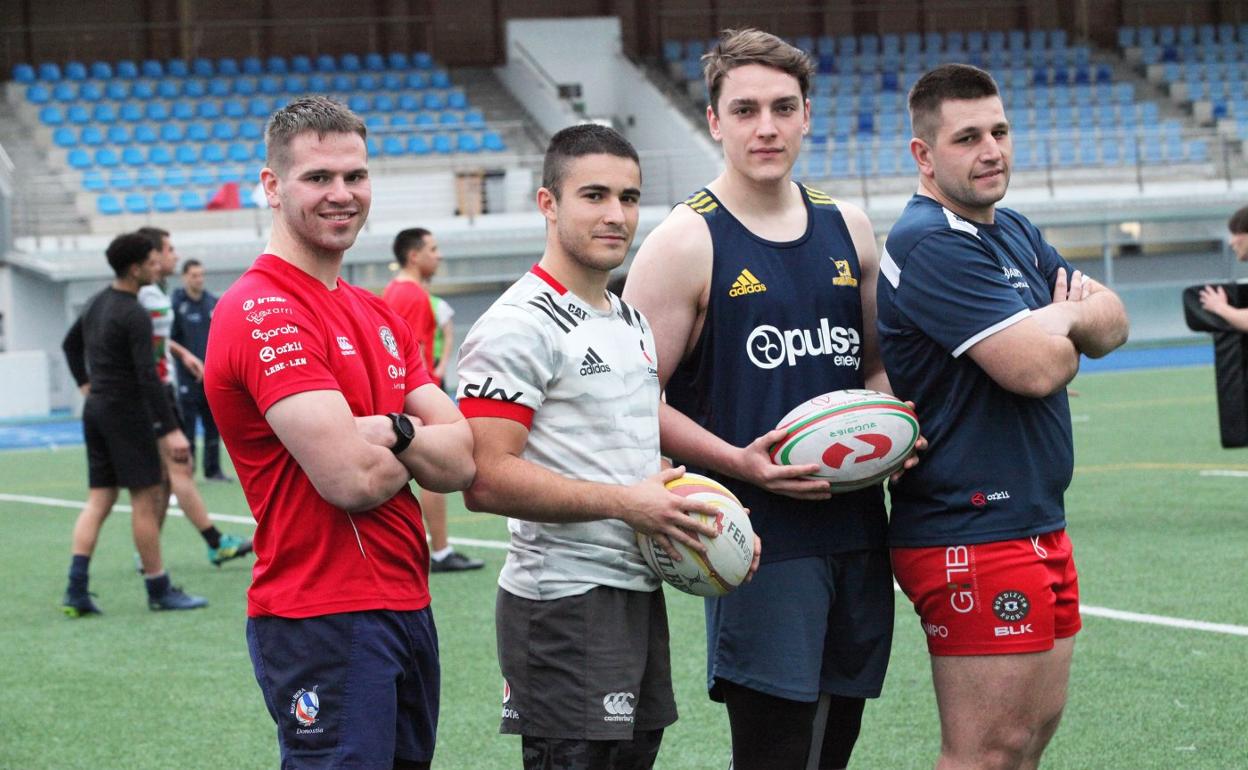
745, 284
844, 275
473, 390
593, 364
768, 347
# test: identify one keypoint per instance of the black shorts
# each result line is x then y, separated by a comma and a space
594, 667
355, 689
121, 446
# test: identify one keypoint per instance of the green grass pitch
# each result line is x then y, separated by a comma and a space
1153, 535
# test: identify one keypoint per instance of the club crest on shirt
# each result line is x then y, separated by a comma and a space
387, 339
844, 275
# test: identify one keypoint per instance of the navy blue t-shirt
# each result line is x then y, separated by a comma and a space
191, 320
783, 325
998, 463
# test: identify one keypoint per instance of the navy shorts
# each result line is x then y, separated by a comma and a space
357, 689
121, 447
805, 626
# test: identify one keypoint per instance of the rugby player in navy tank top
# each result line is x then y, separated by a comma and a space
982, 323
761, 293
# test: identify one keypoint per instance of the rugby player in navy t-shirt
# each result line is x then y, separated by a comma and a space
982, 324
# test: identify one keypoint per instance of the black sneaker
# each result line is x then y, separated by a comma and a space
78, 606
175, 599
455, 562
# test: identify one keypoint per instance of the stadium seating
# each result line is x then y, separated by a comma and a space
181, 128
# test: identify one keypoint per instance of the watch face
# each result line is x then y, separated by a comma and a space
404, 425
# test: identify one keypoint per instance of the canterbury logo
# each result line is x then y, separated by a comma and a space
746, 283
593, 364
618, 703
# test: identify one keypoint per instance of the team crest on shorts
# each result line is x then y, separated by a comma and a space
1011, 606
305, 706
387, 339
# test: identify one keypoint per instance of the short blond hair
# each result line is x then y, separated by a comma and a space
738, 47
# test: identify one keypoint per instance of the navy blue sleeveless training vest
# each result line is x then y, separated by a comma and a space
783, 324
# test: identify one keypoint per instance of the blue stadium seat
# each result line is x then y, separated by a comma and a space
392, 81
398, 60
326, 63
190, 200
142, 90
253, 66
229, 174
177, 68
120, 179
234, 108
198, 132
90, 92
239, 152
343, 84
318, 83
148, 178
93, 181
276, 65
426, 120
131, 112
144, 133
418, 144
91, 136
456, 100
224, 130
474, 119
220, 87
212, 153
423, 61
493, 141
157, 112
449, 118
417, 80
434, 100
101, 70
400, 120
258, 107
186, 154
228, 67
208, 110
127, 70
259, 152
136, 203
64, 92
374, 147
442, 144
65, 137
194, 89
150, 68
383, 103
164, 203
159, 155
439, 79
24, 73
51, 115
251, 130
350, 62
172, 132
169, 88
367, 82
131, 155
244, 86
1198, 151
78, 114
203, 176
117, 90
119, 134
79, 158
393, 145
359, 103
49, 72
301, 65
108, 205
374, 62
409, 102
271, 85
175, 176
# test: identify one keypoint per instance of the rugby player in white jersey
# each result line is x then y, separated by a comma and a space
559, 382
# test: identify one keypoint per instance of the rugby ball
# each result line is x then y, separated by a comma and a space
728, 556
857, 437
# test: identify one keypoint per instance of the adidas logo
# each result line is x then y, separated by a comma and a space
746, 283
593, 364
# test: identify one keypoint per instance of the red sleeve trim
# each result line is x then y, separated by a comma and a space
492, 407
550, 279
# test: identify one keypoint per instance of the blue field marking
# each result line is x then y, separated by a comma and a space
1150, 358
41, 434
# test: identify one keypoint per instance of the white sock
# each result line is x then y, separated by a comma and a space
440, 555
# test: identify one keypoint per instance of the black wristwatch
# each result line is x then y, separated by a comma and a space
404, 431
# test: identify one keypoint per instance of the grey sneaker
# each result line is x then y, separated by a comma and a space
174, 598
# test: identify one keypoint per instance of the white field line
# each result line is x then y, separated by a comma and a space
1086, 609
1230, 473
